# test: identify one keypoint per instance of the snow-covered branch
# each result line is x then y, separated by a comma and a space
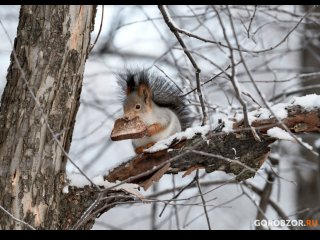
231, 150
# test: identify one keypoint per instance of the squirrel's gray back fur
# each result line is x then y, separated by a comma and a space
164, 92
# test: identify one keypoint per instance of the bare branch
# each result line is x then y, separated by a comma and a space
265, 198
203, 200
173, 29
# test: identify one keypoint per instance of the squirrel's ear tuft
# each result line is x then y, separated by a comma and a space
130, 84
144, 91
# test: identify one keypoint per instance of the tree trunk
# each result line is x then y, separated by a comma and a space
51, 47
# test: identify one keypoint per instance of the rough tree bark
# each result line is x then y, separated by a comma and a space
51, 46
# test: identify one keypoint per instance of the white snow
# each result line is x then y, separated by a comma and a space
78, 180
65, 189
279, 110
309, 101
275, 155
306, 145
263, 113
279, 133
187, 134
228, 125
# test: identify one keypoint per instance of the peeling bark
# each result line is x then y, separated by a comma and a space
51, 46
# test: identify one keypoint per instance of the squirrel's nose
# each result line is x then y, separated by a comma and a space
126, 118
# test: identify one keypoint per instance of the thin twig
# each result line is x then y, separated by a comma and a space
223, 158
235, 82
16, 219
265, 197
254, 203
87, 213
177, 195
173, 28
100, 28
213, 208
253, 100
206, 183
250, 186
232, 77
179, 30
272, 203
258, 90
251, 20
286, 36
175, 207
203, 200
293, 92
154, 209
209, 80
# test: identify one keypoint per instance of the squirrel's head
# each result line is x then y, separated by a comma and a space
138, 102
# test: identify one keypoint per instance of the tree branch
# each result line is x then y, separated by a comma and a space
237, 152
228, 152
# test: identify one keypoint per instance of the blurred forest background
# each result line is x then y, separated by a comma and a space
280, 45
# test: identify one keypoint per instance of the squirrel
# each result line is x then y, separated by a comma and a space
157, 102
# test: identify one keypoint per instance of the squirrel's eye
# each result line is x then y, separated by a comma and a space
138, 106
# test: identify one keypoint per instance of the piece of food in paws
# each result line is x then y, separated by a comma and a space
128, 129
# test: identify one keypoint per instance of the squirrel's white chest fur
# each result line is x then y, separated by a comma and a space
161, 115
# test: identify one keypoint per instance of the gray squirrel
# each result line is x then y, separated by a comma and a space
157, 102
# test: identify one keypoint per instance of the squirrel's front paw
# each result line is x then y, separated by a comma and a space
139, 150
154, 129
